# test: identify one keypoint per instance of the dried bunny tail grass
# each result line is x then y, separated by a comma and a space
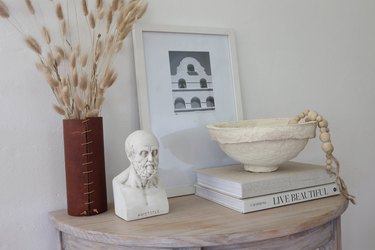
66, 96
127, 25
99, 102
75, 77
50, 59
59, 109
84, 7
77, 50
63, 27
100, 92
52, 81
110, 42
98, 4
73, 60
92, 20
76, 112
97, 55
131, 13
64, 82
125, 28
59, 96
126, 12
123, 33
30, 7
59, 11
46, 35
93, 113
101, 14
109, 20
60, 51
121, 4
84, 59
33, 44
58, 60
79, 102
83, 83
115, 5
142, 11
4, 10
119, 46
43, 68
109, 78
79, 89
99, 48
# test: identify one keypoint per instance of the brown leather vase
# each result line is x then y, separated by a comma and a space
84, 166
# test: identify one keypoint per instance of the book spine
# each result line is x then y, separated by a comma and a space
260, 188
269, 201
281, 185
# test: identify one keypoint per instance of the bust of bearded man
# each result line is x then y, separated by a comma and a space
137, 191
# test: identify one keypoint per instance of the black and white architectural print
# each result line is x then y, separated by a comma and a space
191, 78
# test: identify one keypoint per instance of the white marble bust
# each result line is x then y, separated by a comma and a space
137, 191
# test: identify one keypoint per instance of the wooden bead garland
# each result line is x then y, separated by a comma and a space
327, 147
325, 137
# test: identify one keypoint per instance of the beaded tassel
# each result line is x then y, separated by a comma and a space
327, 147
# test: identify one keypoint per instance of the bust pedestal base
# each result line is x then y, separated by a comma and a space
134, 204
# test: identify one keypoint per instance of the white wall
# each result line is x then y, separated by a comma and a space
293, 54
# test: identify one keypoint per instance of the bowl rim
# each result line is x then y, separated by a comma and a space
219, 126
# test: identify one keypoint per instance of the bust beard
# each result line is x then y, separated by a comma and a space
147, 173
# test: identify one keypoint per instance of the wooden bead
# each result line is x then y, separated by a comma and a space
312, 115
329, 167
329, 162
296, 118
301, 115
319, 118
323, 124
306, 112
327, 147
324, 130
325, 137
293, 121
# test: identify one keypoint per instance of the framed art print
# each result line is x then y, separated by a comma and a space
187, 78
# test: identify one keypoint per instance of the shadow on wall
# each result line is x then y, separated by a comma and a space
192, 146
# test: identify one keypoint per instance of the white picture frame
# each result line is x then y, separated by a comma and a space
163, 55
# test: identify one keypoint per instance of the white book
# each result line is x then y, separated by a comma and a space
268, 201
235, 181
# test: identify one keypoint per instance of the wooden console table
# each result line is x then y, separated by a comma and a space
195, 223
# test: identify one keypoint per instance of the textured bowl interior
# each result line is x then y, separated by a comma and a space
262, 142
260, 130
253, 123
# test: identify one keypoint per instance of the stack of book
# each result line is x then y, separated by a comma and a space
243, 191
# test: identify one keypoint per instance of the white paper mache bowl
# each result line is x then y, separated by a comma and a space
263, 144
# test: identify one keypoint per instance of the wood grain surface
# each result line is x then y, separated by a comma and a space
196, 222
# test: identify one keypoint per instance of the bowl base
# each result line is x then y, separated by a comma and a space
260, 169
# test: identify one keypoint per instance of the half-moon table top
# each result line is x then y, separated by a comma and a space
194, 221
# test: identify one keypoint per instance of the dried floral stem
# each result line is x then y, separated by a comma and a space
77, 24
84, 8
30, 7
59, 11
98, 4
4, 10
77, 73
33, 44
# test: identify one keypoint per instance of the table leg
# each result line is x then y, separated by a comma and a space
335, 242
59, 245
